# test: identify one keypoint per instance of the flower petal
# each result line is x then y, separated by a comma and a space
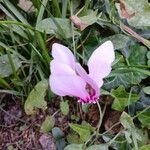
58, 68
63, 55
85, 76
100, 62
68, 85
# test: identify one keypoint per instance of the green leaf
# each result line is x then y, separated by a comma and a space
123, 76
74, 117
126, 121
41, 11
48, 124
36, 98
148, 62
119, 76
98, 147
84, 130
122, 98
49, 26
120, 143
73, 138
148, 54
18, 30
5, 66
145, 147
74, 147
90, 45
59, 137
144, 118
90, 19
128, 136
119, 40
64, 107
144, 135
37, 4
138, 55
15, 11
131, 133
140, 17
146, 90
57, 133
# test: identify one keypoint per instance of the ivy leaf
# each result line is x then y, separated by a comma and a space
35, 99
138, 55
122, 77
48, 124
131, 133
84, 130
146, 90
140, 17
98, 147
144, 118
119, 40
126, 121
74, 147
59, 137
144, 135
143, 102
50, 27
148, 57
121, 98
80, 147
73, 138
148, 54
5, 66
91, 18
145, 147
127, 77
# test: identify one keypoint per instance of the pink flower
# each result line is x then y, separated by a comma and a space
69, 78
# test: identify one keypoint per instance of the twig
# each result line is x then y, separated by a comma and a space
135, 35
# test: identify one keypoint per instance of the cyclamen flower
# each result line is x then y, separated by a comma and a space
68, 78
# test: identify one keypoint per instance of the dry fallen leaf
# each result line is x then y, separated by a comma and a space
78, 23
26, 5
124, 12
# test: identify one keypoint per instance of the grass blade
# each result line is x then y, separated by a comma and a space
12, 8
41, 11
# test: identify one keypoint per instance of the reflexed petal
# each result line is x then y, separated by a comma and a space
63, 55
68, 85
102, 71
58, 68
85, 76
100, 62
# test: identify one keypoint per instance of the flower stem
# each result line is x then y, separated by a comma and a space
96, 133
101, 117
112, 140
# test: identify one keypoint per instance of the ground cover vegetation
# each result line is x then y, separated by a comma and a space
32, 116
